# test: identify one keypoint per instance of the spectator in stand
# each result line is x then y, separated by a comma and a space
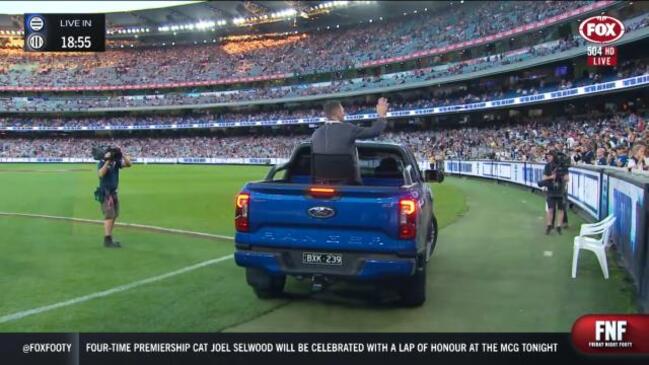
622, 157
639, 160
583, 154
612, 158
601, 158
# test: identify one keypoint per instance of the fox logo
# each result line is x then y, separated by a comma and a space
601, 29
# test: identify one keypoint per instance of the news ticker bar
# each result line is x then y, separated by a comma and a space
339, 348
65, 32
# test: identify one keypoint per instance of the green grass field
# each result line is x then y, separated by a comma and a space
493, 270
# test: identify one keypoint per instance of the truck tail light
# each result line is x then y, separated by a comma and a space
241, 212
407, 218
322, 192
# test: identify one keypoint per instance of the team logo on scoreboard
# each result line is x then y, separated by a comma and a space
35, 41
601, 30
36, 23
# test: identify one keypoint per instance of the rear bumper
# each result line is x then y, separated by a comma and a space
356, 265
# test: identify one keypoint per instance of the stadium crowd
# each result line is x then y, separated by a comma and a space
319, 51
476, 92
51, 102
618, 140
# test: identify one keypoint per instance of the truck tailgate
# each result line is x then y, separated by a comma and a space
362, 218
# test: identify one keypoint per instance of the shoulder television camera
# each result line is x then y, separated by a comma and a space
562, 163
560, 166
99, 153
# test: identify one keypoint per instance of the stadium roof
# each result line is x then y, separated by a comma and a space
23, 7
160, 13
136, 13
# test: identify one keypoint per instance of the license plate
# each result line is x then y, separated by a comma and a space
316, 258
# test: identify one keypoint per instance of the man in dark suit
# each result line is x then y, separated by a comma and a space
336, 137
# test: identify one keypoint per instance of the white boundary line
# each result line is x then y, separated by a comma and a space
117, 289
133, 225
121, 288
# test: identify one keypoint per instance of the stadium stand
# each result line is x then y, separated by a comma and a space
310, 53
51, 102
506, 87
619, 136
61, 103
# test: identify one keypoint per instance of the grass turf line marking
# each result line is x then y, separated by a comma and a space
118, 289
40, 171
119, 224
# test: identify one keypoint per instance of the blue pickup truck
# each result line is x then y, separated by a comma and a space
381, 230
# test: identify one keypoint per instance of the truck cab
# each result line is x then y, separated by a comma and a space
382, 228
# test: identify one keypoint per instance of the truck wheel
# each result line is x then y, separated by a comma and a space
432, 239
266, 286
413, 291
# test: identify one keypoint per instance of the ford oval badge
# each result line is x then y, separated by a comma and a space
321, 212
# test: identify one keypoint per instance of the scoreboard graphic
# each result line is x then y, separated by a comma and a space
65, 32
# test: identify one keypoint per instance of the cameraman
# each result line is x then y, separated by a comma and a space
555, 178
108, 172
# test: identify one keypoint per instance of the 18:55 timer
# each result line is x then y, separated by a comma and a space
76, 42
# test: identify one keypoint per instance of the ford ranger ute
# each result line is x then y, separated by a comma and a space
381, 230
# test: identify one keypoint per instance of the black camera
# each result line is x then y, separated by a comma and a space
562, 163
99, 153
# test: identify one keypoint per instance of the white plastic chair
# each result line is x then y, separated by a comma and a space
586, 227
585, 241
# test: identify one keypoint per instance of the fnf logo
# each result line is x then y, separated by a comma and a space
601, 29
610, 330
612, 333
